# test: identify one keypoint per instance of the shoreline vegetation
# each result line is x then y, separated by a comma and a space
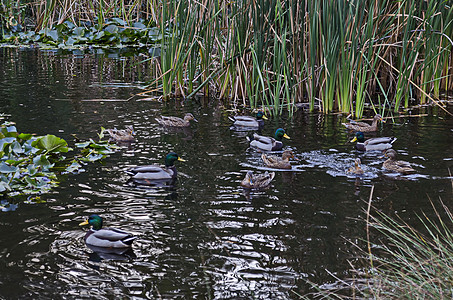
398, 260
337, 56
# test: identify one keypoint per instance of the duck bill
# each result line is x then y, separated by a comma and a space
354, 139
180, 159
84, 223
382, 120
195, 120
286, 136
265, 118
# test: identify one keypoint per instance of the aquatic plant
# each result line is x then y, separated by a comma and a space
336, 55
31, 164
67, 35
403, 262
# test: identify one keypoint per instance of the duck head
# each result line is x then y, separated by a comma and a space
260, 115
280, 133
190, 117
390, 153
171, 158
359, 137
94, 221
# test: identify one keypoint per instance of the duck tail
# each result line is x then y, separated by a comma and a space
393, 140
128, 240
231, 119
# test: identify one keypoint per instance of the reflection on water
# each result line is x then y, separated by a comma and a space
204, 236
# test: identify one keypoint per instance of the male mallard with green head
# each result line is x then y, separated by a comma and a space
380, 143
267, 143
248, 121
399, 166
175, 121
106, 237
156, 172
276, 162
362, 126
257, 181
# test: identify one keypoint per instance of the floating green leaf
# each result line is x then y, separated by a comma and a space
51, 143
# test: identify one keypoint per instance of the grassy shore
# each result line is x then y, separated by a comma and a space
399, 260
335, 55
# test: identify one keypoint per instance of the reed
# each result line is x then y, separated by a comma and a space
274, 53
403, 262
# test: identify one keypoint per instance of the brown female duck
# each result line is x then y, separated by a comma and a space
122, 135
175, 121
356, 169
257, 181
394, 165
362, 126
276, 162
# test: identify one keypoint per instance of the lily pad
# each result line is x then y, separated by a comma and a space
51, 143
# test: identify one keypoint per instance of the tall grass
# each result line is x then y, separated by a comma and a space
274, 53
401, 261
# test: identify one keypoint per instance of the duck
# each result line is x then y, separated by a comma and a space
269, 143
106, 238
248, 121
257, 181
276, 162
175, 121
362, 126
356, 169
156, 172
122, 135
380, 143
399, 166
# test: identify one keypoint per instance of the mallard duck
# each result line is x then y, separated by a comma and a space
356, 169
106, 238
257, 181
269, 143
380, 143
156, 172
175, 121
399, 166
363, 127
123, 135
247, 121
276, 162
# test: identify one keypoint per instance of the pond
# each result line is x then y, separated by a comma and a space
205, 237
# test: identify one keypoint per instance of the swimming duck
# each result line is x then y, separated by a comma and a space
380, 143
257, 181
175, 121
363, 127
399, 166
247, 121
269, 143
156, 172
276, 162
107, 238
356, 169
122, 135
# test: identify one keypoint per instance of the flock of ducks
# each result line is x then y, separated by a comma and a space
110, 239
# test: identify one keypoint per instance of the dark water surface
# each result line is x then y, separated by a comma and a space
206, 238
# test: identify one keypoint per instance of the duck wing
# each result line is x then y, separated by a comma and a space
171, 121
246, 121
380, 140
263, 139
262, 180
110, 238
152, 172
121, 135
275, 162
